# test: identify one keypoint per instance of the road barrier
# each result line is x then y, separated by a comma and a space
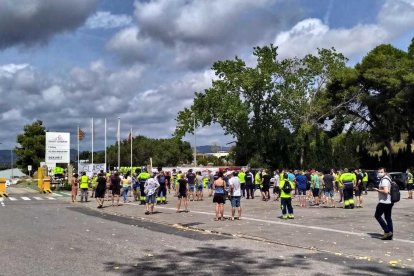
3, 187
46, 185
43, 182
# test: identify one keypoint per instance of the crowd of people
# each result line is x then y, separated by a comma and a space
310, 188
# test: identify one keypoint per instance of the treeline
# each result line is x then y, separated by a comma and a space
314, 111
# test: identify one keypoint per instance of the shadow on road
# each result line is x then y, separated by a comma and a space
234, 261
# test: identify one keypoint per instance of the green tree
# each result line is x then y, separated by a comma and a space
31, 149
274, 109
377, 96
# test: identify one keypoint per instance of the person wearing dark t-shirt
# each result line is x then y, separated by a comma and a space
266, 185
329, 181
358, 188
191, 184
182, 194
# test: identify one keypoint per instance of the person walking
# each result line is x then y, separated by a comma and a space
100, 189
410, 184
75, 183
219, 186
84, 186
384, 206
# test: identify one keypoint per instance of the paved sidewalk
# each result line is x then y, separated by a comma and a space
351, 233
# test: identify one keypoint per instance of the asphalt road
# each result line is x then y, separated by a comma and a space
56, 237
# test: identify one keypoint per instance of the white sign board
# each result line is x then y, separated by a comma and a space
29, 168
57, 147
90, 169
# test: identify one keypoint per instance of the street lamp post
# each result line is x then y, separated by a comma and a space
195, 143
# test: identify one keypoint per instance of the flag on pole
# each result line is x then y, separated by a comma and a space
81, 134
130, 137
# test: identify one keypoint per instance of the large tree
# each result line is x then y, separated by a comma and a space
31, 149
274, 109
377, 96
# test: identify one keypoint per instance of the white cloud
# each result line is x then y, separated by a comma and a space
107, 20
394, 18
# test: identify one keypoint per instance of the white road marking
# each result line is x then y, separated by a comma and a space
288, 224
25, 198
56, 194
2, 202
37, 198
12, 198
51, 198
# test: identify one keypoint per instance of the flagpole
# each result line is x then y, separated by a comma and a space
131, 149
92, 145
78, 148
105, 146
119, 143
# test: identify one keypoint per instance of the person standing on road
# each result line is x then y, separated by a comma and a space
182, 192
116, 188
348, 181
242, 179
219, 186
191, 183
235, 192
100, 189
249, 180
301, 182
162, 191
364, 181
94, 183
199, 186
287, 187
142, 178
359, 187
75, 183
84, 186
410, 184
329, 182
315, 188
265, 185
126, 185
276, 190
150, 189
384, 206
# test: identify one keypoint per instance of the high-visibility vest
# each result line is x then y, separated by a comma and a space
347, 178
241, 176
94, 181
143, 176
410, 178
84, 182
257, 179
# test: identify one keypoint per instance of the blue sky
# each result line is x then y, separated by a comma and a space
66, 62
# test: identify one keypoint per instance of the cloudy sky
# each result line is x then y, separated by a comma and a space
64, 62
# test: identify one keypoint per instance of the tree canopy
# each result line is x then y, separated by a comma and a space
31, 149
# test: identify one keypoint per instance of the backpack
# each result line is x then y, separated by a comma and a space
286, 187
394, 191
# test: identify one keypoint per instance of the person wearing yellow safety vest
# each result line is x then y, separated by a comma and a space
162, 191
142, 178
258, 180
94, 184
348, 181
84, 186
410, 184
365, 181
241, 175
339, 186
286, 189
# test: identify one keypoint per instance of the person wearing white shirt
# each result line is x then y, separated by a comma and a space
235, 192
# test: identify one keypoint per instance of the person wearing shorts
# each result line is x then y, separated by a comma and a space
199, 186
301, 183
191, 184
116, 188
235, 192
150, 189
182, 194
329, 182
219, 196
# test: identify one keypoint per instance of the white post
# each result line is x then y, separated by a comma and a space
105, 147
78, 148
131, 149
119, 143
195, 144
92, 144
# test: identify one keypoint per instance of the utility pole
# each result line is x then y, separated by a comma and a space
195, 143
